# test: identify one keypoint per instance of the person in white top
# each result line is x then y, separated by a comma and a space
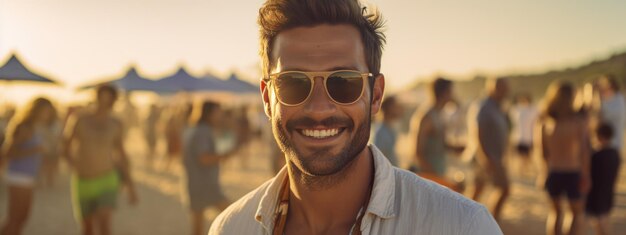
321, 85
523, 116
612, 108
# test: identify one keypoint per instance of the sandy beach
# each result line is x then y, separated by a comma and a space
162, 208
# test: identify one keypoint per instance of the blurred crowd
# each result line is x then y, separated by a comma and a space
570, 143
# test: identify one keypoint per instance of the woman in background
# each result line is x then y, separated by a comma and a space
24, 151
562, 137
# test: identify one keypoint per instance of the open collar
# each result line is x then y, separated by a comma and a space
382, 201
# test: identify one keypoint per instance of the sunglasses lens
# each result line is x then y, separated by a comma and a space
345, 87
293, 88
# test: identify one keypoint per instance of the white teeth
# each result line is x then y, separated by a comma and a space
320, 133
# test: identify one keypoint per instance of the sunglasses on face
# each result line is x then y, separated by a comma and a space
344, 87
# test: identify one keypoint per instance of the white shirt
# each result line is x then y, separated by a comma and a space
524, 117
613, 112
401, 203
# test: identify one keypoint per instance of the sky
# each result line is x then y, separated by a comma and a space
81, 41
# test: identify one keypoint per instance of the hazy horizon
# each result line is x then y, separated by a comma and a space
77, 42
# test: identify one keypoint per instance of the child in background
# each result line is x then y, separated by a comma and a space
604, 167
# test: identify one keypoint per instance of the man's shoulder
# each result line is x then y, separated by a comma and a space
240, 215
426, 193
426, 204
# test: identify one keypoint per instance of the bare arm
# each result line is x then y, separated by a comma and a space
70, 133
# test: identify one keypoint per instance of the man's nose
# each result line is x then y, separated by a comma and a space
319, 104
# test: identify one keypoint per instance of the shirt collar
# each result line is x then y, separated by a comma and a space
382, 201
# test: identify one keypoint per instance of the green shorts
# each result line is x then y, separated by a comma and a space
91, 194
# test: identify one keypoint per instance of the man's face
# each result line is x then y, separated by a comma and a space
502, 89
105, 99
447, 95
321, 48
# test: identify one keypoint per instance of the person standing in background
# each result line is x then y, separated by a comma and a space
612, 108
491, 133
202, 163
429, 131
385, 136
151, 133
24, 151
176, 124
523, 117
605, 164
100, 165
562, 137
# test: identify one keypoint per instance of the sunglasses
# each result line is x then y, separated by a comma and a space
344, 87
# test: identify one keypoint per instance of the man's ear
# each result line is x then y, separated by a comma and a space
265, 96
377, 93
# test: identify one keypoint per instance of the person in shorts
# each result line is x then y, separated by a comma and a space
24, 151
99, 164
563, 139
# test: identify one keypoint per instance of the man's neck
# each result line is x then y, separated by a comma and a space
102, 112
335, 208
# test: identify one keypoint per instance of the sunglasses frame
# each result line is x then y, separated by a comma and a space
325, 75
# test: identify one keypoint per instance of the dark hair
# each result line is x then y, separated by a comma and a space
387, 103
604, 130
278, 15
439, 86
107, 88
206, 109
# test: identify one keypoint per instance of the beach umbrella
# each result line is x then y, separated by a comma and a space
15, 70
183, 81
132, 81
241, 86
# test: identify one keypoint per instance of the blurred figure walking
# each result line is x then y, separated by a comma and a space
523, 117
202, 164
563, 140
429, 131
176, 124
151, 133
100, 164
24, 151
385, 136
490, 132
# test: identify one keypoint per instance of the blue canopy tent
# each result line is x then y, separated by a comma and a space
14, 70
132, 81
234, 84
183, 81
241, 86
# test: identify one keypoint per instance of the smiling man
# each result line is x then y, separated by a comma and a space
321, 85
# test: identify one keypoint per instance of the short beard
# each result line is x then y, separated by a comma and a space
305, 173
